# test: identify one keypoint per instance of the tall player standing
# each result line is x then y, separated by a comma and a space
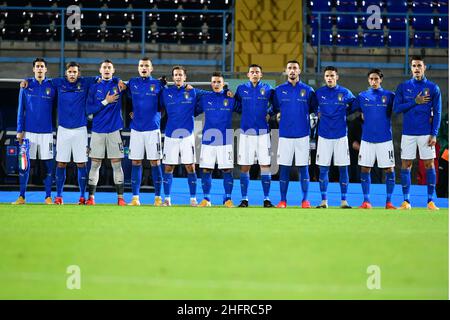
334, 103
105, 104
34, 122
145, 93
295, 101
420, 101
253, 101
376, 105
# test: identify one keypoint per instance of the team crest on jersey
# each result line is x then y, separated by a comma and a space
115, 90
303, 92
152, 87
263, 91
340, 97
79, 86
426, 91
384, 99
47, 91
186, 95
225, 102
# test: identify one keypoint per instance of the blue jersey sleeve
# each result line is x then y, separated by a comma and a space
93, 106
238, 102
390, 106
275, 103
313, 103
437, 108
349, 99
21, 111
198, 107
89, 81
57, 82
270, 109
400, 105
356, 105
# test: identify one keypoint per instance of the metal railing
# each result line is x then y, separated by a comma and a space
143, 13
407, 16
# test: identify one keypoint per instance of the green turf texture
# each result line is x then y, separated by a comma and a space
219, 253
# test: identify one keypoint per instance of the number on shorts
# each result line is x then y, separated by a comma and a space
391, 154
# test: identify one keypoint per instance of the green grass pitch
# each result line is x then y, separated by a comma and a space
219, 253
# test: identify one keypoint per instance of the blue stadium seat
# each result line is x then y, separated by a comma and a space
325, 23
367, 3
347, 22
326, 38
424, 40
422, 6
443, 40
320, 5
348, 38
442, 6
396, 22
423, 23
397, 39
346, 6
443, 23
373, 39
394, 6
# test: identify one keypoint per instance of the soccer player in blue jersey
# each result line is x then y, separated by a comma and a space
253, 101
294, 100
217, 139
420, 101
105, 104
34, 122
334, 103
145, 137
179, 141
376, 105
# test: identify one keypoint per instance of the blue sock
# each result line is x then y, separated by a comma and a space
48, 177
343, 181
266, 177
206, 185
136, 179
431, 182
23, 180
390, 184
167, 182
245, 180
304, 178
228, 185
60, 179
192, 180
82, 178
157, 179
406, 183
323, 181
284, 181
365, 184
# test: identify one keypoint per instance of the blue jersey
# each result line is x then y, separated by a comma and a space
333, 106
107, 118
218, 109
419, 119
145, 95
180, 108
72, 99
254, 104
36, 103
376, 106
295, 104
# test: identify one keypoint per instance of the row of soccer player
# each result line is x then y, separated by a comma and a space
292, 102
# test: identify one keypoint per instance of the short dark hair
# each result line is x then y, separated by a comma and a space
416, 57
377, 71
73, 64
179, 68
106, 61
254, 65
293, 61
330, 68
217, 74
39, 60
145, 59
